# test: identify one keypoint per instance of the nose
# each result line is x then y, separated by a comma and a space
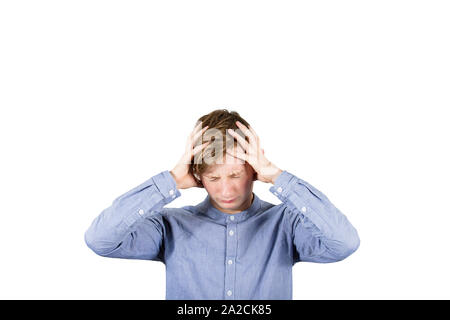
227, 190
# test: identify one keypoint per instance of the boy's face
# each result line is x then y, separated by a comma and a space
229, 185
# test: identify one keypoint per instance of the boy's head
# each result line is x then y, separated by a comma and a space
228, 180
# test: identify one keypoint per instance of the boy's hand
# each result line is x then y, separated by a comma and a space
254, 155
180, 173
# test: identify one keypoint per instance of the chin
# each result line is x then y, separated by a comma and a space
232, 205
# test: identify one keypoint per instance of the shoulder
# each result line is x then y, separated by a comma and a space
272, 211
279, 209
281, 212
184, 211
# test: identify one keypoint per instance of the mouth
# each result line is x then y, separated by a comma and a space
229, 201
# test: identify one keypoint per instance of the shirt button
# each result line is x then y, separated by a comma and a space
232, 218
231, 232
141, 212
171, 192
303, 209
280, 189
229, 293
230, 261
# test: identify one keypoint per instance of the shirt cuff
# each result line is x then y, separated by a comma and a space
167, 186
152, 196
282, 185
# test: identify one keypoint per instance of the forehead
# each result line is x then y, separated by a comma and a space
227, 164
225, 169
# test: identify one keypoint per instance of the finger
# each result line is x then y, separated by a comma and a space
196, 128
198, 134
256, 141
198, 125
192, 140
199, 148
245, 145
232, 158
254, 132
246, 131
238, 154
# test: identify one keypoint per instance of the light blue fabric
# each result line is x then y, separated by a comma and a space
214, 255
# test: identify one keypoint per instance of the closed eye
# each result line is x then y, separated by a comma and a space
214, 179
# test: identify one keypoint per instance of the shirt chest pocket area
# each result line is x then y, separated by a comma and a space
191, 248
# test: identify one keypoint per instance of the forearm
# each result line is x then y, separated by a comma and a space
315, 213
127, 211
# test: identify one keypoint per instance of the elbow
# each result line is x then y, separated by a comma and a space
348, 246
91, 243
96, 244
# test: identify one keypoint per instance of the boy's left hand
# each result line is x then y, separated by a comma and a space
254, 155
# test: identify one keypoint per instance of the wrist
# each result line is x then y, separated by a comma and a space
175, 179
277, 172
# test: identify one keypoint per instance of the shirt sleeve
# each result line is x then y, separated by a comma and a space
320, 232
132, 226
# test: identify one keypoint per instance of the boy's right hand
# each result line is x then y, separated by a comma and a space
180, 172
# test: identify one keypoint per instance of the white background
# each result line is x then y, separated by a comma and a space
98, 96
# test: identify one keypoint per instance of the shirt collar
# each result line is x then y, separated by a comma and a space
208, 209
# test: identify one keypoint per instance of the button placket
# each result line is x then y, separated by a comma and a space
230, 266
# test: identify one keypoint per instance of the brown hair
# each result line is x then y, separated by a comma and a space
221, 120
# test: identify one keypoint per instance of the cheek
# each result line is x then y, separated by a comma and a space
245, 184
211, 188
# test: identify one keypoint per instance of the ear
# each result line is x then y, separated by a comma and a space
199, 180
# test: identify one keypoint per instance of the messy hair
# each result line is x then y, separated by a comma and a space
218, 121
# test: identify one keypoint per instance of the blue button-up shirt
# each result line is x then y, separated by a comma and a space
210, 254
